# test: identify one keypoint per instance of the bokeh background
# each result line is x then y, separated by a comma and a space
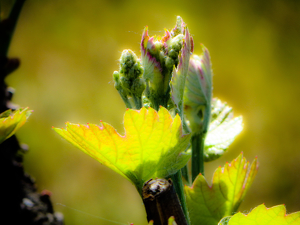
69, 50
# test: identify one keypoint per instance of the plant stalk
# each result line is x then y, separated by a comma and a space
197, 154
161, 202
185, 174
138, 102
178, 185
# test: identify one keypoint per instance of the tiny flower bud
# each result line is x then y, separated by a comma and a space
126, 84
116, 76
128, 80
170, 63
173, 54
138, 87
130, 66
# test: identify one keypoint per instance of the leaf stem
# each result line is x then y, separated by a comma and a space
138, 102
125, 99
185, 174
177, 178
177, 181
197, 154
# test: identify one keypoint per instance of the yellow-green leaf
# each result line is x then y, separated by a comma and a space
153, 145
261, 215
11, 121
171, 221
209, 204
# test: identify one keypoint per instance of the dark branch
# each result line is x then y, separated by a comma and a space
161, 202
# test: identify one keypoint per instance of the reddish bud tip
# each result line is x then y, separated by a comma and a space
46, 192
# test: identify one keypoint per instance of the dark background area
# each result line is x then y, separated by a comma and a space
69, 50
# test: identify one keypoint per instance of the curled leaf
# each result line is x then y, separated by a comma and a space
180, 73
198, 92
153, 145
11, 121
209, 204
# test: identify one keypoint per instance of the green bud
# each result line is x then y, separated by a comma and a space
130, 66
119, 87
128, 80
138, 87
173, 54
170, 63
126, 84
179, 28
176, 42
116, 76
138, 69
159, 56
156, 48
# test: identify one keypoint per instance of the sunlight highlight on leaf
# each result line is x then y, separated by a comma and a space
153, 145
209, 204
11, 121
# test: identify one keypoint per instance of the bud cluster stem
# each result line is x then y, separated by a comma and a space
197, 154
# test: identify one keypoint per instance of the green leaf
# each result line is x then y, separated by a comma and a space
261, 215
11, 121
152, 147
209, 204
222, 131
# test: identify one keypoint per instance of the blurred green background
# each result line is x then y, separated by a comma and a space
69, 50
